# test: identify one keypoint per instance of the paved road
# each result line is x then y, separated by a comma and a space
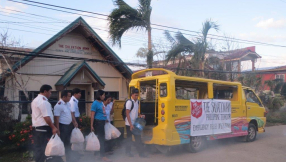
268, 147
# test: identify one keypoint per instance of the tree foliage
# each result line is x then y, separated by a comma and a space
124, 18
251, 80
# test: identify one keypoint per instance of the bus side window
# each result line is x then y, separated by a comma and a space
163, 90
225, 92
186, 90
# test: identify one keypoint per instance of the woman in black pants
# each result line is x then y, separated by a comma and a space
98, 114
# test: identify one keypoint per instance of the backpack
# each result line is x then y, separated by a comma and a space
123, 113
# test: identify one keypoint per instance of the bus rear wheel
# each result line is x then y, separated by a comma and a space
196, 144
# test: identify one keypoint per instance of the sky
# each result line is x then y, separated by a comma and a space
254, 20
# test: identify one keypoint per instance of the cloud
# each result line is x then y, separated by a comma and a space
9, 7
271, 23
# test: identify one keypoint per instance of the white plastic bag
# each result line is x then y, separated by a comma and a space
76, 136
92, 142
55, 147
77, 146
111, 132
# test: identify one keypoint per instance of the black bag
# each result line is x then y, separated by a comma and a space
123, 113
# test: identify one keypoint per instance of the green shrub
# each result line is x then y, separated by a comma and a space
276, 117
84, 124
283, 90
21, 136
275, 103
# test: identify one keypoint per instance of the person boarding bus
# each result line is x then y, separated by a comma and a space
131, 116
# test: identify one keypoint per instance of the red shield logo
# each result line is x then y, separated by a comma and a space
197, 109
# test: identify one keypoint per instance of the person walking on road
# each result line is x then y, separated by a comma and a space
64, 122
99, 115
42, 123
131, 115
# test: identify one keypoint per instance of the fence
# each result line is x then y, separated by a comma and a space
25, 107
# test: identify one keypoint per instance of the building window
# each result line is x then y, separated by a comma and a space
33, 94
54, 98
280, 76
113, 94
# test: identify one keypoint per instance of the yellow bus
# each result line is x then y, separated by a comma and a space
165, 102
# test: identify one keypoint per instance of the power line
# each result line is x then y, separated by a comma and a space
30, 13
123, 41
53, 56
54, 30
25, 31
98, 29
92, 26
219, 36
241, 40
41, 28
14, 22
57, 10
66, 8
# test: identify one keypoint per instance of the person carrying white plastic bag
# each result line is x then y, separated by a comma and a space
111, 132
77, 136
92, 143
55, 147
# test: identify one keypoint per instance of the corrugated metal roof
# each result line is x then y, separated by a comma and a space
66, 78
239, 54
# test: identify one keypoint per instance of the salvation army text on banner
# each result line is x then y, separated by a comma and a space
210, 117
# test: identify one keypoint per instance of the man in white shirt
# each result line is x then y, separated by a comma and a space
131, 116
63, 121
42, 122
74, 105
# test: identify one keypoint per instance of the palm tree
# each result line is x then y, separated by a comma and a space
202, 43
124, 18
199, 47
180, 47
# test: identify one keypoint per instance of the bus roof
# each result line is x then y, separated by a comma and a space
158, 72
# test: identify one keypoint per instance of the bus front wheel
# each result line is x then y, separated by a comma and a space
251, 133
196, 144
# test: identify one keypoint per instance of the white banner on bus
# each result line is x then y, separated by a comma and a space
210, 117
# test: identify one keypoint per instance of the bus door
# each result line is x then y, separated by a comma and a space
149, 106
149, 101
